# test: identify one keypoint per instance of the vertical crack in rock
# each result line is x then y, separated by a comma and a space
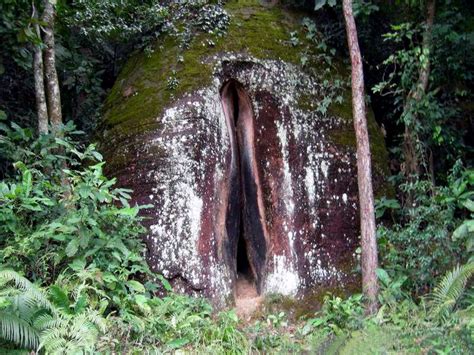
245, 218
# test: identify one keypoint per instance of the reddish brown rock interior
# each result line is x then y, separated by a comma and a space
245, 218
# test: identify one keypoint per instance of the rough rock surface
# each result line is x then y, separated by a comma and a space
240, 152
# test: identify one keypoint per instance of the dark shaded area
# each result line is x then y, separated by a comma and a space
243, 264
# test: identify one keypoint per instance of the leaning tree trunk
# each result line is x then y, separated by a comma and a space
52, 82
369, 258
38, 71
411, 153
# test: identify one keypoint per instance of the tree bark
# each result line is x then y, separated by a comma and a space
411, 153
369, 259
52, 82
38, 72
41, 108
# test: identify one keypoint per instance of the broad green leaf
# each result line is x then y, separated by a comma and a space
109, 277
142, 302
59, 297
469, 204
78, 265
470, 225
84, 241
97, 155
316, 322
136, 286
460, 232
80, 304
383, 276
71, 248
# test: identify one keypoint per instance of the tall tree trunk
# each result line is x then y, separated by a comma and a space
52, 83
369, 259
411, 153
38, 71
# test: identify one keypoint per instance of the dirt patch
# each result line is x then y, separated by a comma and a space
247, 299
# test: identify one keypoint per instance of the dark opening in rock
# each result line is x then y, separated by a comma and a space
243, 264
246, 244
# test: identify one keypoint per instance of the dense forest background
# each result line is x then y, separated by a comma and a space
72, 274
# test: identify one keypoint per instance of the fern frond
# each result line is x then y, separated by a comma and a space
70, 333
18, 331
45, 321
30, 291
9, 275
450, 289
53, 339
95, 318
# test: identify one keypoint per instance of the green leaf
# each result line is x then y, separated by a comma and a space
383, 276
233, 316
316, 322
97, 155
84, 190
84, 240
72, 247
470, 225
80, 304
469, 204
59, 297
142, 302
318, 4
136, 286
460, 232
128, 211
78, 265
109, 277
165, 283
177, 343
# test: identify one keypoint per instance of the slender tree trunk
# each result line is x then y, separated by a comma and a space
427, 39
38, 71
411, 152
369, 259
52, 83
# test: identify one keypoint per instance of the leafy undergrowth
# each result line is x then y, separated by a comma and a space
73, 279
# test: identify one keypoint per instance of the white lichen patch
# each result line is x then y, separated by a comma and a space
283, 278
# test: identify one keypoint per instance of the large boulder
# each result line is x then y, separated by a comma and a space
247, 156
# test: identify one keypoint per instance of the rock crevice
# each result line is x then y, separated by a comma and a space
245, 220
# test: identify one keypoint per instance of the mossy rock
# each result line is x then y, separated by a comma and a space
167, 134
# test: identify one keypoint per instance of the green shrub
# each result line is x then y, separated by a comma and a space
64, 225
432, 235
60, 214
338, 314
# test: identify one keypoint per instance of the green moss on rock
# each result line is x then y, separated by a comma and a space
256, 30
345, 136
